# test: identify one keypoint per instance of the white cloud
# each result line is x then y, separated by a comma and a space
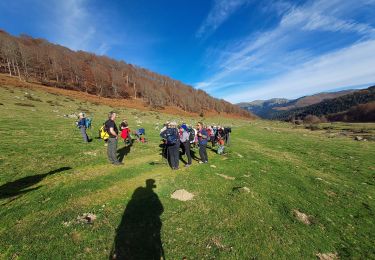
347, 67
274, 54
220, 12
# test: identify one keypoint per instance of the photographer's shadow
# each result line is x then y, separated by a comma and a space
138, 235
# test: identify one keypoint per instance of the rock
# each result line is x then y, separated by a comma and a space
213, 166
358, 138
87, 218
239, 155
225, 176
241, 189
182, 195
305, 219
327, 256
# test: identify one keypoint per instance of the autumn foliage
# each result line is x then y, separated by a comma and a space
53, 65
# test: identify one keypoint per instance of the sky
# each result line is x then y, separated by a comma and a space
238, 50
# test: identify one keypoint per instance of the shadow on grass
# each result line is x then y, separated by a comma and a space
138, 235
22, 185
122, 152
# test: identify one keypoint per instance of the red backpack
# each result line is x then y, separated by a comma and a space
125, 133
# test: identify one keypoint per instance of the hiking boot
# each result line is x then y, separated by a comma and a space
200, 162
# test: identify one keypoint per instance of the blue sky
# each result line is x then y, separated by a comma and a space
239, 50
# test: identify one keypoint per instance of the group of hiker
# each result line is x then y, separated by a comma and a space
174, 137
183, 136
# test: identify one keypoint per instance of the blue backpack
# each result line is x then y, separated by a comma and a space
172, 136
88, 122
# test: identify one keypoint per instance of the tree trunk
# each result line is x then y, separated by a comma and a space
18, 70
10, 70
135, 91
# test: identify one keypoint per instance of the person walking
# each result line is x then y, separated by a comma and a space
202, 141
172, 141
82, 126
112, 130
184, 139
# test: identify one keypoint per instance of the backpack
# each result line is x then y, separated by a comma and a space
171, 137
103, 134
141, 131
191, 134
88, 122
125, 133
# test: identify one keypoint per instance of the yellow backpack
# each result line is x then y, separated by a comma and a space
103, 133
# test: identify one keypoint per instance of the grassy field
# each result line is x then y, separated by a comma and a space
246, 203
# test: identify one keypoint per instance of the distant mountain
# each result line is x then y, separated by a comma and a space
357, 106
264, 108
269, 108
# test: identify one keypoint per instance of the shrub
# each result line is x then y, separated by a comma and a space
311, 119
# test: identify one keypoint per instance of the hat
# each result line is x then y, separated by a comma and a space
184, 127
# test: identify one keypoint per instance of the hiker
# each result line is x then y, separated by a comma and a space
220, 140
125, 132
185, 141
82, 126
227, 131
172, 142
202, 141
112, 131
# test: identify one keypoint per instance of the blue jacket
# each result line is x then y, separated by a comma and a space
203, 139
82, 122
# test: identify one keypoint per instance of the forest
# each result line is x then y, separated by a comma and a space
354, 107
53, 65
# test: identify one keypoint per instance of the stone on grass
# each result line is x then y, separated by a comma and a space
327, 256
304, 218
358, 138
87, 218
225, 176
182, 195
239, 155
241, 189
213, 166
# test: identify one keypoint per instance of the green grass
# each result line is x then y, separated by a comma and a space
49, 177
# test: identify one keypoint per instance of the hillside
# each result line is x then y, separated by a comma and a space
279, 192
32, 59
330, 107
267, 108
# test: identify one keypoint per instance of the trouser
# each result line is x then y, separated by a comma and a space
213, 141
84, 134
173, 155
187, 151
203, 152
112, 150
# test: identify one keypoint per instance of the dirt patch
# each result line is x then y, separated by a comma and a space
327, 256
302, 217
225, 176
24, 104
215, 242
182, 195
